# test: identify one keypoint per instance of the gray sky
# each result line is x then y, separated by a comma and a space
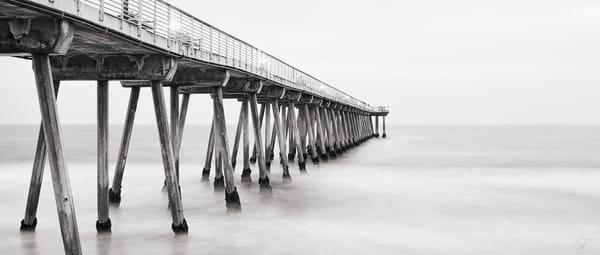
432, 61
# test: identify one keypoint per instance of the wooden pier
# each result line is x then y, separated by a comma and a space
300, 117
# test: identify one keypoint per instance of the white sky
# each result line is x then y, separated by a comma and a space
432, 61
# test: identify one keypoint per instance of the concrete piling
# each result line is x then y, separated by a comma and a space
232, 199
103, 224
384, 134
246, 171
29, 222
56, 159
264, 174
179, 223
115, 191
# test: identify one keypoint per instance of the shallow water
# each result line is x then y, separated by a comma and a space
422, 190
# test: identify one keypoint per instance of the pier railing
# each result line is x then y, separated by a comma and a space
158, 23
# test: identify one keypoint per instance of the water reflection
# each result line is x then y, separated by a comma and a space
104, 243
29, 242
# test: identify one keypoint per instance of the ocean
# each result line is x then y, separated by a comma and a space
422, 190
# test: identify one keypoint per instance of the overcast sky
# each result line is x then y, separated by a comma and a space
432, 61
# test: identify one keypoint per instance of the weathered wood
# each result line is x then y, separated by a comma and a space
264, 175
311, 138
370, 126
296, 137
179, 223
246, 171
343, 130
384, 134
262, 115
37, 175
219, 181
56, 159
209, 152
292, 140
333, 130
284, 121
376, 126
267, 135
302, 130
174, 102
347, 123
182, 118
271, 153
238, 133
232, 198
122, 67
115, 191
103, 223
321, 133
280, 139
354, 128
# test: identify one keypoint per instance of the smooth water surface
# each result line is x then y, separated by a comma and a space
422, 190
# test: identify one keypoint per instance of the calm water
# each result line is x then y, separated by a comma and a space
423, 190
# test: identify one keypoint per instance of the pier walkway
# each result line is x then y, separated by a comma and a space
150, 44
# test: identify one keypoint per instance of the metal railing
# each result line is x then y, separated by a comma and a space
194, 38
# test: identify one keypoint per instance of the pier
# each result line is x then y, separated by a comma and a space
149, 44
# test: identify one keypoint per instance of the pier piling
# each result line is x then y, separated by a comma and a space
179, 223
103, 224
56, 159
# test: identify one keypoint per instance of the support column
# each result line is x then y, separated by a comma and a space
172, 182
238, 134
354, 128
376, 126
114, 194
182, 117
246, 173
384, 135
330, 134
292, 139
219, 181
335, 132
272, 145
267, 150
103, 223
295, 134
232, 199
29, 222
262, 116
209, 152
52, 135
264, 174
371, 131
285, 117
281, 140
344, 122
311, 138
175, 125
321, 133
302, 131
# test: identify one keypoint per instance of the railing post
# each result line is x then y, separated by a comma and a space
179, 39
101, 10
210, 44
155, 23
168, 26
123, 10
226, 49
192, 40
139, 20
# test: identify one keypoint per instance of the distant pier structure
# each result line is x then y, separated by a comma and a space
150, 44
